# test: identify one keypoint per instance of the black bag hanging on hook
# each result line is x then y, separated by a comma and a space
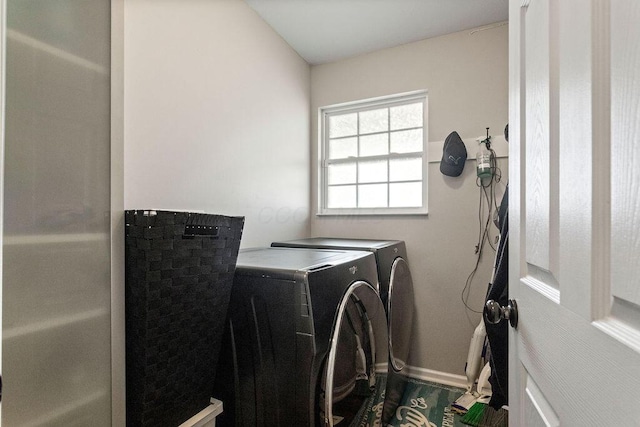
497, 334
454, 155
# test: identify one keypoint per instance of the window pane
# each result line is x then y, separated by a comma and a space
343, 125
342, 174
372, 196
405, 195
405, 169
343, 148
374, 121
371, 148
342, 197
406, 116
374, 145
375, 171
406, 141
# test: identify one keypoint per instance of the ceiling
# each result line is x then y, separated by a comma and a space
328, 30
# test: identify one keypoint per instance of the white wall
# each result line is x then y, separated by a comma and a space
213, 97
466, 76
216, 116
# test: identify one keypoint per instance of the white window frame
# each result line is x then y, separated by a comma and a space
323, 146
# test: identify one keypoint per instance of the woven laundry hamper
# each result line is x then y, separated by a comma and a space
179, 272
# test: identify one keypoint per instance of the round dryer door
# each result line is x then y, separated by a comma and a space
353, 381
400, 309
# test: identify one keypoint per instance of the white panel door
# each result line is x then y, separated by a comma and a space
575, 212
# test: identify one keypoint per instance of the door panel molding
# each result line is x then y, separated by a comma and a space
537, 132
537, 409
540, 283
601, 104
623, 324
625, 151
555, 359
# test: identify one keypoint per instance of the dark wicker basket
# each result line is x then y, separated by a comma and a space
179, 272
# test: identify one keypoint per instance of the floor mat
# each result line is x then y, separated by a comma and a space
424, 404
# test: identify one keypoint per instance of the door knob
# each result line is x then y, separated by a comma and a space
494, 312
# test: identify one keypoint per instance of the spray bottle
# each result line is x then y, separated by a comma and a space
483, 167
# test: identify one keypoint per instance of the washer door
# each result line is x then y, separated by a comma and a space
400, 308
353, 381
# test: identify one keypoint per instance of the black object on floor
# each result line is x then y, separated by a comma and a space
179, 272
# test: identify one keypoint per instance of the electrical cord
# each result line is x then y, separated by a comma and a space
487, 194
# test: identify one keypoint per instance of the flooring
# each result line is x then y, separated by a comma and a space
424, 404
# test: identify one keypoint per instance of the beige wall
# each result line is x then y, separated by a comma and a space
216, 116
466, 76
213, 97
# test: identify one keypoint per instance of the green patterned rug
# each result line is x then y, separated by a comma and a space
424, 404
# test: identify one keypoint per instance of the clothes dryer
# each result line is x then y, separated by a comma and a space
396, 292
305, 332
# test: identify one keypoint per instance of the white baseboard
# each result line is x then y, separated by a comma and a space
437, 376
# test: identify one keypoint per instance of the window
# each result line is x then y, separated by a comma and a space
373, 156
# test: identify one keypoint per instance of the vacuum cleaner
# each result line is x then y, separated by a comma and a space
477, 368
478, 386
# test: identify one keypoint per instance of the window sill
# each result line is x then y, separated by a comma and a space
374, 212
